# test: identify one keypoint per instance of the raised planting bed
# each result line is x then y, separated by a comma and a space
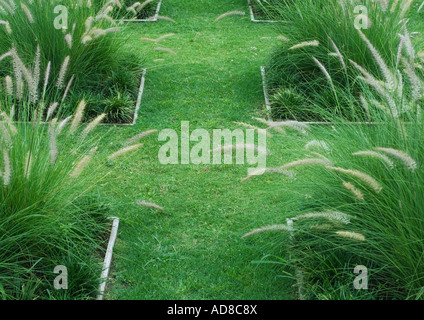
150, 14
108, 257
257, 14
136, 107
268, 106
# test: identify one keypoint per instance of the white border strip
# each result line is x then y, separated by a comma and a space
151, 19
252, 15
265, 89
268, 107
108, 257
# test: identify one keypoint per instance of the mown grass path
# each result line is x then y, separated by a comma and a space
194, 250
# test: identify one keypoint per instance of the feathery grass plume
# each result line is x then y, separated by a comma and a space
139, 136
249, 126
365, 106
336, 216
266, 122
9, 85
132, 10
410, 163
5, 5
143, 5
63, 124
83, 163
384, 4
158, 60
373, 154
28, 165
355, 191
27, 12
62, 72
373, 82
230, 13
366, 178
288, 173
276, 227
124, 151
351, 235
54, 152
385, 71
322, 226
165, 18
88, 24
20, 69
104, 12
5, 135
303, 128
405, 6
394, 5
166, 50
94, 123
282, 38
400, 49
46, 77
68, 86
317, 144
68, 40
148, 39
165, 36
36, 75
149, 205
9, 122
416, 82
314, 43
5, 55
7, 168
325, 72
97, 33
113, 2
7, 26
421, 6
78, 116
319, 155
338, 54
308, 162
393, 108
242, 146
410, 49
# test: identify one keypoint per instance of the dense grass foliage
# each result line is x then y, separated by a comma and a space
87, 54
48, 216
358, 194
306, 71
49, 212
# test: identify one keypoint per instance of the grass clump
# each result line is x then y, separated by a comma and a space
82, 53
361, 204
50, 211
313, 64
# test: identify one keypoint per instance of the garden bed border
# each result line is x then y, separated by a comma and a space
154, 18
252, 15
108, 257
136, 109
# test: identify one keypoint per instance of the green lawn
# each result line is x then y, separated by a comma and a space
194, 250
